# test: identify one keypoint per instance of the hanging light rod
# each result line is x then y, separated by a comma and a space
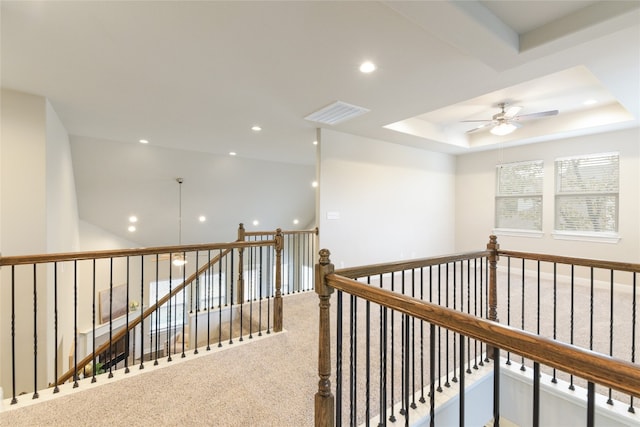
178, 259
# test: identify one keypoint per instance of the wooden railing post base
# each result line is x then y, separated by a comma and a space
324, 399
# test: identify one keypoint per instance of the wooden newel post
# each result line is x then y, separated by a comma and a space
493, 246
324, 399
277, 302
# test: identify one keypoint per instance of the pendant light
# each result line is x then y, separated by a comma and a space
178, 259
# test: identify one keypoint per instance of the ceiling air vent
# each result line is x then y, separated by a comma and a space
336, 113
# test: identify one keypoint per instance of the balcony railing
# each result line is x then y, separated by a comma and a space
76, 315
408, 333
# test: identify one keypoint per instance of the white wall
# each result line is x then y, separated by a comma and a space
475, 192
39, 215
393, 202
23, 226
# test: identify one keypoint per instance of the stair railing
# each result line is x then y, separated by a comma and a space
53, 266
463, 321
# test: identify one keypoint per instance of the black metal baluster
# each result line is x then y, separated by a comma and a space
14, 400
522, 367
555, 312
35, 334
169, 337
481, 363
462, 387
271, 286
244, 294
392, 417
367, 413
93, 320
208, 298
446, 296
75, 323
110, 351
610, 400
195, 335
455, 354
141, 313
220, 297
252, 289
126, 321
432, 373
536, 394
475, 309
403, 350
633, 335
231, 303
591, 294
260, 285
413, 345
157, 313
383, 364
571, 386
469, 312
496, 387
339, 359
508, 302
439, 331
405, 364
422, 398
184, 301
353, 357
591, 404
55, 323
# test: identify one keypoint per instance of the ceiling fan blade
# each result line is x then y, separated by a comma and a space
476, 121
512, 112
536, 115
479, 127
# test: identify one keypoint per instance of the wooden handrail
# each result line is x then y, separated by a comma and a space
391, 267
583, 262
272, 233
78, 256
608, 371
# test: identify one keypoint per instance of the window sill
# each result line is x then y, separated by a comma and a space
587, 237
518, 233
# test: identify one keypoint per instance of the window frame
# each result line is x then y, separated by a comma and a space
608, 236
538, 195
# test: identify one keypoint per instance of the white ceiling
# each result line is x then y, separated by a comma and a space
193, 77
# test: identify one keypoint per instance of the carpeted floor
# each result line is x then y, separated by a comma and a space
271, 384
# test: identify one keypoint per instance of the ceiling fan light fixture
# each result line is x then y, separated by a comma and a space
503, 129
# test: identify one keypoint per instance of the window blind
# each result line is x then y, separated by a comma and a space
519, 195
587, 193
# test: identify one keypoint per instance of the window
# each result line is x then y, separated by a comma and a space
587, 194
519, 196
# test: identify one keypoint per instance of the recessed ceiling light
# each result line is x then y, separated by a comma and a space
296, 222
256, 128
367, 67
133, 218
590, 102
256, 222
314, 184
131, 228
144, 141
315, 142
202, 218
232, 153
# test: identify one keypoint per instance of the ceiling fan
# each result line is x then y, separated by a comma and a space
506, 121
